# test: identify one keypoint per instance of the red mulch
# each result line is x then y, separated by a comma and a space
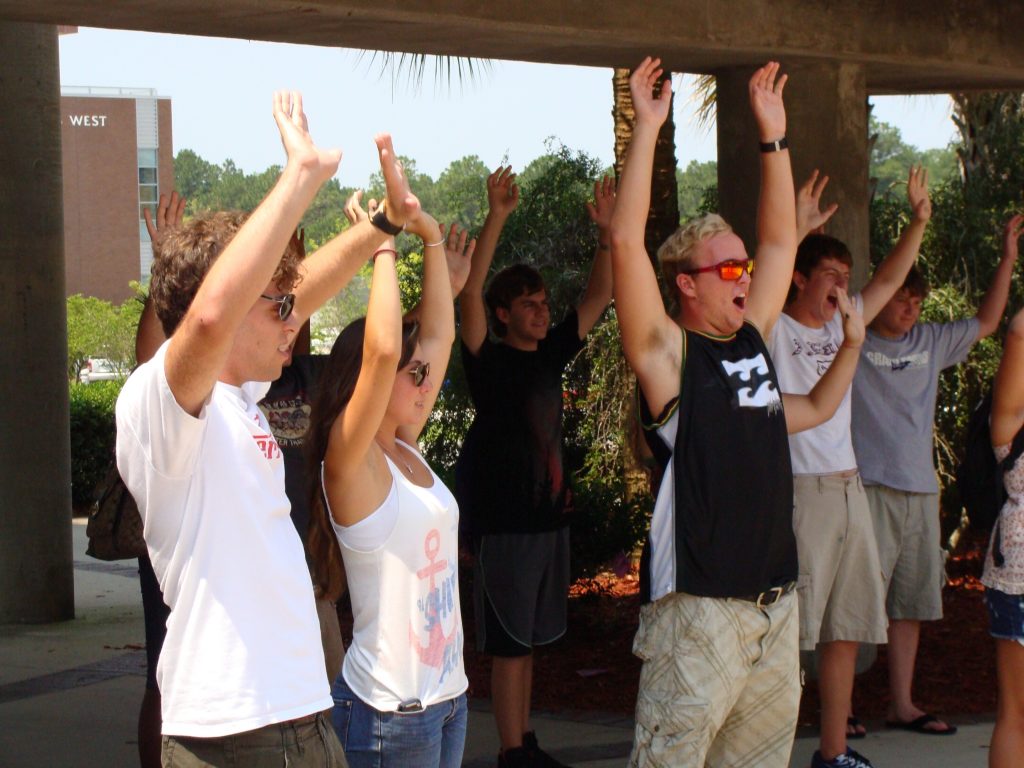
593, 668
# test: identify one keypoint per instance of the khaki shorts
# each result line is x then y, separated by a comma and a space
720, 683
841, 589
913, 561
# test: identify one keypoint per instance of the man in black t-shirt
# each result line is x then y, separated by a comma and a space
718, 633
510, 479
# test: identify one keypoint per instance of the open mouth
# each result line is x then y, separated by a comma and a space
833, 301
740, 301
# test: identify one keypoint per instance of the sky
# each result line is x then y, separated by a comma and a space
221, 103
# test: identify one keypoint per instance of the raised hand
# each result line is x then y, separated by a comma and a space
765, 89
458, 252
169, 214
603, 207
651, 107
298, 144
401, 204
502, 192
353, 208
853, 321
1011, 234
423, 225
809, 215
917, 193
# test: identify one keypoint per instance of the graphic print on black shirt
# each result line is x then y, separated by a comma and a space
287, 408
753, 383
723, 519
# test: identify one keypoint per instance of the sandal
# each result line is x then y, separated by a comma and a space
920, 725
855, 728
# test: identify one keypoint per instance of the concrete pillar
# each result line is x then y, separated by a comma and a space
827, 127
36, 579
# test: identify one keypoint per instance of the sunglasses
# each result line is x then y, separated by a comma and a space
285, 304
419, 373
731, 269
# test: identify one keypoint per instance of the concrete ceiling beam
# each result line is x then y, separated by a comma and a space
905, 46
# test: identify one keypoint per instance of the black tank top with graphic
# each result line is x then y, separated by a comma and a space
731, 513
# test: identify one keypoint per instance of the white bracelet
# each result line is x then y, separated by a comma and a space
431, 245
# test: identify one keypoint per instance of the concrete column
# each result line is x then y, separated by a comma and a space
827, 127
36, 579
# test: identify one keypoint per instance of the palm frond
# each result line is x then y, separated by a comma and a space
409, 68
705, 96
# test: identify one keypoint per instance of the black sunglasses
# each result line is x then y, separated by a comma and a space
285, 304
420, 373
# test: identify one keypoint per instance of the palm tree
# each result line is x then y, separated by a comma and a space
663, 218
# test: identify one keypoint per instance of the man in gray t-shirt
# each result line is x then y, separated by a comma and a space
893, 410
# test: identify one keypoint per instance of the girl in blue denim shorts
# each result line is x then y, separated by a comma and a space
1003, 575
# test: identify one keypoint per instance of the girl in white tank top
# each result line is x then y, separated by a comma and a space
383, 518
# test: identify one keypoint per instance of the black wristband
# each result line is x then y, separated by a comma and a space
774, 146
381, 222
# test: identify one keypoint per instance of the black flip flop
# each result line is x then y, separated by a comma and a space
854, 722
920, 725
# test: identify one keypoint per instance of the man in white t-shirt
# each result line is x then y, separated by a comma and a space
893, 414
242, 669
840, 589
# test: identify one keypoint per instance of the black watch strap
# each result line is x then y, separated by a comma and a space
381, 222
774, 146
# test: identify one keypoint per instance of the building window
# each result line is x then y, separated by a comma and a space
149, 190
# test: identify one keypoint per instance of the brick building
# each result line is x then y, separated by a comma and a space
117, 159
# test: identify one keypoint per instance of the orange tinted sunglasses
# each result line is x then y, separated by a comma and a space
730, 270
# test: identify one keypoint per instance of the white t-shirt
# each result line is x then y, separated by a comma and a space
407, 635
243, 641
801, 356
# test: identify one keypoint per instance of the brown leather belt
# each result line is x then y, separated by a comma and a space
769, 596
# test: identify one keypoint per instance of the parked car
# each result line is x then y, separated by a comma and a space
99, 369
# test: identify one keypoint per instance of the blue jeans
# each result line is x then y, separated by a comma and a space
374, 739
1006, 615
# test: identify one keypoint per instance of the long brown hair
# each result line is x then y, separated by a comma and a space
334, 390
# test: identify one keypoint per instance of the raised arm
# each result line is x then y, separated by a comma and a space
819, 405
651, 340
329, 269
436, 317
349, 477
809, 214
150, 333
1008, 390
894, 268
994, 302
200, 347
599, 287
776, 207
458, 252
502, 200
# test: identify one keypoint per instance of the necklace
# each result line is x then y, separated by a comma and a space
397, 459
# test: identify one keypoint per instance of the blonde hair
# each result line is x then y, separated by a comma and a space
676, 255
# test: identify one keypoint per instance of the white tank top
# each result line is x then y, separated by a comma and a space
407, 635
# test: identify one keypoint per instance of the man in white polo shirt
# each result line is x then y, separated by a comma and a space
242, 670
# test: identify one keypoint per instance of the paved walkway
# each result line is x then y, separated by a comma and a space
69, 696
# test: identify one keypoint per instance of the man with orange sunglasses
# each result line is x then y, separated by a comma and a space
718, 633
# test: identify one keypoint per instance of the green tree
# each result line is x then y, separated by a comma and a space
97, 328
891, 157
461, 193
194, 177
692, 186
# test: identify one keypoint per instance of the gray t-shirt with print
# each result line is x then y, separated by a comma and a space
894, 402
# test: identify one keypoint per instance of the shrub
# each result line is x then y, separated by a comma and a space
92, 437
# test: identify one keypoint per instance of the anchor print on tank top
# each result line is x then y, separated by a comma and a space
437, 607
